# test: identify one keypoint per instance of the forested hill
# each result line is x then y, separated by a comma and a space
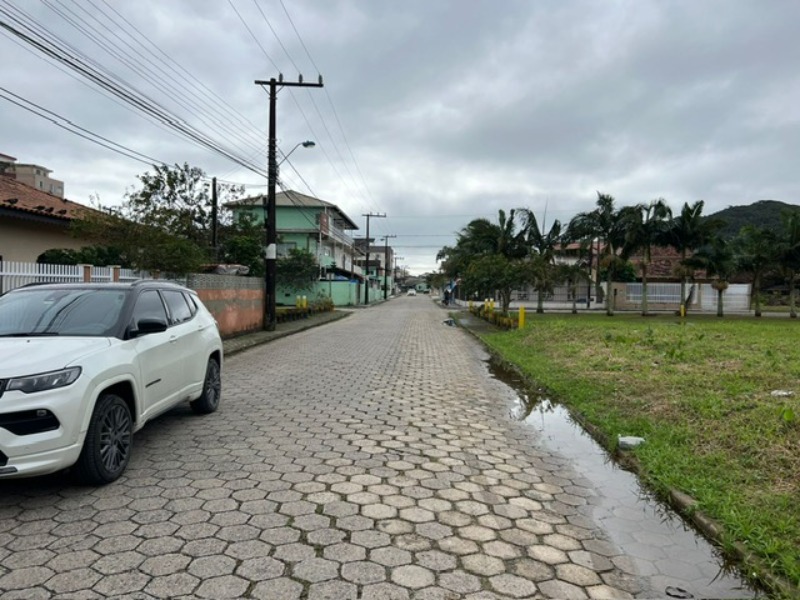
764, 213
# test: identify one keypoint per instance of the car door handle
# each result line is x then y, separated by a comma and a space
173, 339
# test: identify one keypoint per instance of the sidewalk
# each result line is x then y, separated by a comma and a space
248, 340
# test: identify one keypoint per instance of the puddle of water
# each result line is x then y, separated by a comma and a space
670, 556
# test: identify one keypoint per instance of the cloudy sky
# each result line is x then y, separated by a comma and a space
433, 112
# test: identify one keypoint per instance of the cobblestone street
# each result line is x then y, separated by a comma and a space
370, 458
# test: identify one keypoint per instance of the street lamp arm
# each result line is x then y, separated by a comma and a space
306, 144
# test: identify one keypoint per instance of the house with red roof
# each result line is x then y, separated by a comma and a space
33, 220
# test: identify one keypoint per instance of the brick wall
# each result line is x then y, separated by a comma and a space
236, 302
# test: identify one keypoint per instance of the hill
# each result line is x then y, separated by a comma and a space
764, 213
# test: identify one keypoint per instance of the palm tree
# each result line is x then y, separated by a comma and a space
758, 253
574, 274
646, 226
481, 239
608, 224
542, 250
789, 256
689, 231
719, 261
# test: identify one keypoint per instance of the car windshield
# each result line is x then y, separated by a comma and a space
46, 312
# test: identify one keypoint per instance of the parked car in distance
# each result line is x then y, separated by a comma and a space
84, 366
411, 293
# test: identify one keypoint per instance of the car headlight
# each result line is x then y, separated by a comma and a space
44, 381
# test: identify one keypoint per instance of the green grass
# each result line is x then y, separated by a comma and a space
699, 390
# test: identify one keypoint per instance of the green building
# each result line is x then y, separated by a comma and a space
324, 230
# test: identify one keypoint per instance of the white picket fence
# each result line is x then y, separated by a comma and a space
16, 274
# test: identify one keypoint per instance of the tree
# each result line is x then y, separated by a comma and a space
608, 224
242, 243
542, 252
646, 225
719, 261
88, 255
758, 253
789, 255
495, 272
574, 275
144, 248
482, 239
298, 270
688, 232
165, 225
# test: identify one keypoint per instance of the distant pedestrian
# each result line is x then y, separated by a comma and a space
446, 297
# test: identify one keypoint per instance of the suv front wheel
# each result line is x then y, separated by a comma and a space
107, 447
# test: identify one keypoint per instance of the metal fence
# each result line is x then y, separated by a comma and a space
657, 293
16, 274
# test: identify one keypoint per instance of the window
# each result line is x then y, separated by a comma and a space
192, 304
178, 309
149, 306
283, 249
60, 312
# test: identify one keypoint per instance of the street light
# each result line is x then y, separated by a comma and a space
306, 144
271, 230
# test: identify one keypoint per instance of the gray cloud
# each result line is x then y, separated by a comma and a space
453, 110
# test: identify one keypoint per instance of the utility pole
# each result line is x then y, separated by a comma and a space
386, 265
270, 227
366, 271
214, 218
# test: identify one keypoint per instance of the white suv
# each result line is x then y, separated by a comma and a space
83, 366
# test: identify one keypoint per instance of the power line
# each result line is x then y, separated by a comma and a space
150, 72
297, 103
68, 125
44, 42
330, 101
181, 71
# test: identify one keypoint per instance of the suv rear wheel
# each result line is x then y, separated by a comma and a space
208, 401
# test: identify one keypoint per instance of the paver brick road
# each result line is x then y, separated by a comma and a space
370, 458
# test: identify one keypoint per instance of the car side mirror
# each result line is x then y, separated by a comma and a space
145, 326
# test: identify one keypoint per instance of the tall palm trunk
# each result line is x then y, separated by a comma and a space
573, 286
720, 311
792, 295
539, 302
644, 289
757, 295
683, 283
609, 295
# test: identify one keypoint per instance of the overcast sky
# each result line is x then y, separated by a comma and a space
433, 112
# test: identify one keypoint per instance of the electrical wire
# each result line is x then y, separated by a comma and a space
68, 125
52, 46
330, 101
150, 72
314, 104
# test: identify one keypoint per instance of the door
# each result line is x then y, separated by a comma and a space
159, 362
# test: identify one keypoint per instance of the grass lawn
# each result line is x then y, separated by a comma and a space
700, 392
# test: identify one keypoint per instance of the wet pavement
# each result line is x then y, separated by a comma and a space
672, 559
372, 458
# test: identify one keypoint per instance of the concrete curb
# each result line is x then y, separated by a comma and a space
233, 346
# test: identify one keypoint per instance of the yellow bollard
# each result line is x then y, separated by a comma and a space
297, 301
522, 317
305, 302
470, 305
